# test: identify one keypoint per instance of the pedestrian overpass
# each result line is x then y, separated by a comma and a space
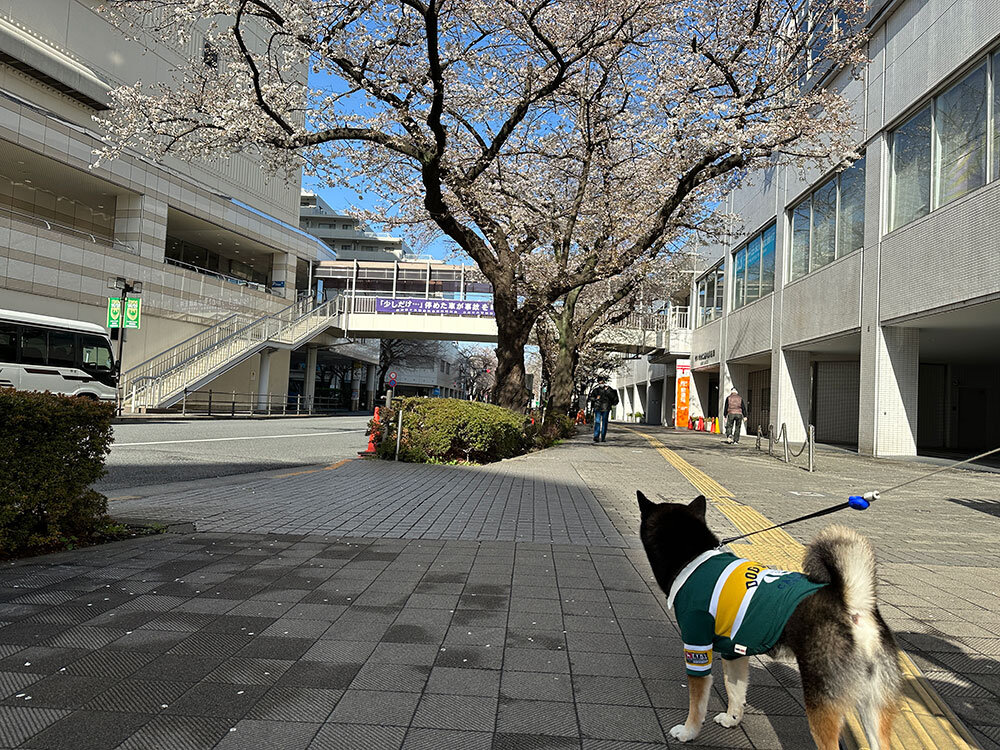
361, 300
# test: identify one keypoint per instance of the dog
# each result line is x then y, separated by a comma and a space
828, 619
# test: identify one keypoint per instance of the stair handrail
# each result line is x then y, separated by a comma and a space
257, 330
195, 345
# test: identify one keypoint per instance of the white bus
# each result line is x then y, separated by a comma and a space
42, 353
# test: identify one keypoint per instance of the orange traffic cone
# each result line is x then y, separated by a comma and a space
370, 451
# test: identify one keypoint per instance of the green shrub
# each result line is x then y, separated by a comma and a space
447, 429
52, 448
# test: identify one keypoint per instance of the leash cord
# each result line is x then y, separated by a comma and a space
943, 468
842, 506
817, 514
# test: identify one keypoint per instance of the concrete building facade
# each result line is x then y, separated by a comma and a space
206, 240
867, 301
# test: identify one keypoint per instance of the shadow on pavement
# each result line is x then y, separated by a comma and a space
990, 507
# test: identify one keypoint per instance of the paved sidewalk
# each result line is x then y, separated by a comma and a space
376, 605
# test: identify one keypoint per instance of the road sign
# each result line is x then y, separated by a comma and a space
392, 376
392, 382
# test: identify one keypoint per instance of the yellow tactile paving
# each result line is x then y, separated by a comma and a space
925, 721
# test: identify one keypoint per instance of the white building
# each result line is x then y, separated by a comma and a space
867, 302
348, 236
207, 241
434, 374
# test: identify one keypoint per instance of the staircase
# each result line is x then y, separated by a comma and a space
162, 381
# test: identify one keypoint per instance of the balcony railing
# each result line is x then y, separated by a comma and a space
215, 274
54, 226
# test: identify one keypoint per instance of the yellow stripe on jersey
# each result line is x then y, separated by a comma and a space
736, 591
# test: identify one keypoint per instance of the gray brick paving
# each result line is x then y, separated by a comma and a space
503, 607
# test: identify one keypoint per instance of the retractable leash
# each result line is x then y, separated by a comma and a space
858, 502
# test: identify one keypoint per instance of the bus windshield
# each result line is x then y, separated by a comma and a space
96, 354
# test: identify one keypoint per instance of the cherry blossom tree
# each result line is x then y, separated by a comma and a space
556, 142
569, 334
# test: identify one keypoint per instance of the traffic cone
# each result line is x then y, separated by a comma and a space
370, 451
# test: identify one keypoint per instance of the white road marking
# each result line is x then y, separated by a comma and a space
227, 439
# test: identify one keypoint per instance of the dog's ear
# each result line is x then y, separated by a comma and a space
646, 506
698, 506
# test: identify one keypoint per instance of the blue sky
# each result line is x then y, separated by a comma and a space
347, 199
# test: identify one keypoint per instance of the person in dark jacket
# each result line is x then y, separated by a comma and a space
736, 412
602, 398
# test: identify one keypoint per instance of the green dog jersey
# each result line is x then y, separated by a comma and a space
733, 606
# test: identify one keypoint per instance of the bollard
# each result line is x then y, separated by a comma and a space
399, 433
209, 402
232, 409
812, 448
184, 403
770, 440
784, 439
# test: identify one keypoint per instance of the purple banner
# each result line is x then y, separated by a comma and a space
433, 306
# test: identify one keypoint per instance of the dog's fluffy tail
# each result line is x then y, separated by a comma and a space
843, 558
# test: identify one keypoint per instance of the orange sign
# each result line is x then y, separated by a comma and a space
683, 394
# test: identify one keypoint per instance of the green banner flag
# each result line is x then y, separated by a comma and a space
114, 312
133, 313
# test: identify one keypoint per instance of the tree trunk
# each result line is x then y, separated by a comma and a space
561, 387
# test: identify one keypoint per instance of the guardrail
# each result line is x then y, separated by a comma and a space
217, 403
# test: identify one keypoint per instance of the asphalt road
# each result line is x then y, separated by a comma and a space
159, 453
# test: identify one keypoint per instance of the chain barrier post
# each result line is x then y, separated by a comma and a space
232, 406
812, 448
770, 440
209, 402
184, 402
784, 439
399, 433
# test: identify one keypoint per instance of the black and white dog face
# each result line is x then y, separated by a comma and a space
673, 534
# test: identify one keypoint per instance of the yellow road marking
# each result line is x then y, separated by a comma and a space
331, 467
925, 722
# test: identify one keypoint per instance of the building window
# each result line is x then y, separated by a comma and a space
209, 55
911, 169
753, 268
940, 153
710, 295
830, 222
960, 119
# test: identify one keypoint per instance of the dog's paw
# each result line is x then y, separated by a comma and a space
682, 733
727, 720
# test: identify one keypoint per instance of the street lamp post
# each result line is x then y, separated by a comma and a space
126, 287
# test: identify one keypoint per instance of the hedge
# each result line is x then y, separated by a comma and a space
448, 429
52, 448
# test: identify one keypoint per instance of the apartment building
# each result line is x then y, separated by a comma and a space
867, 301
207, 241
348, 236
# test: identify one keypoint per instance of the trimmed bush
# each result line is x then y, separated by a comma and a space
448, 429
52, 448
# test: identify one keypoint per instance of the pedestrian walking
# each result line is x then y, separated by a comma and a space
602, 398
736, 412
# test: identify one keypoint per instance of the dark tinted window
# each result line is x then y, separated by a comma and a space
32, 345
8, 342
95, 353
62, 348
